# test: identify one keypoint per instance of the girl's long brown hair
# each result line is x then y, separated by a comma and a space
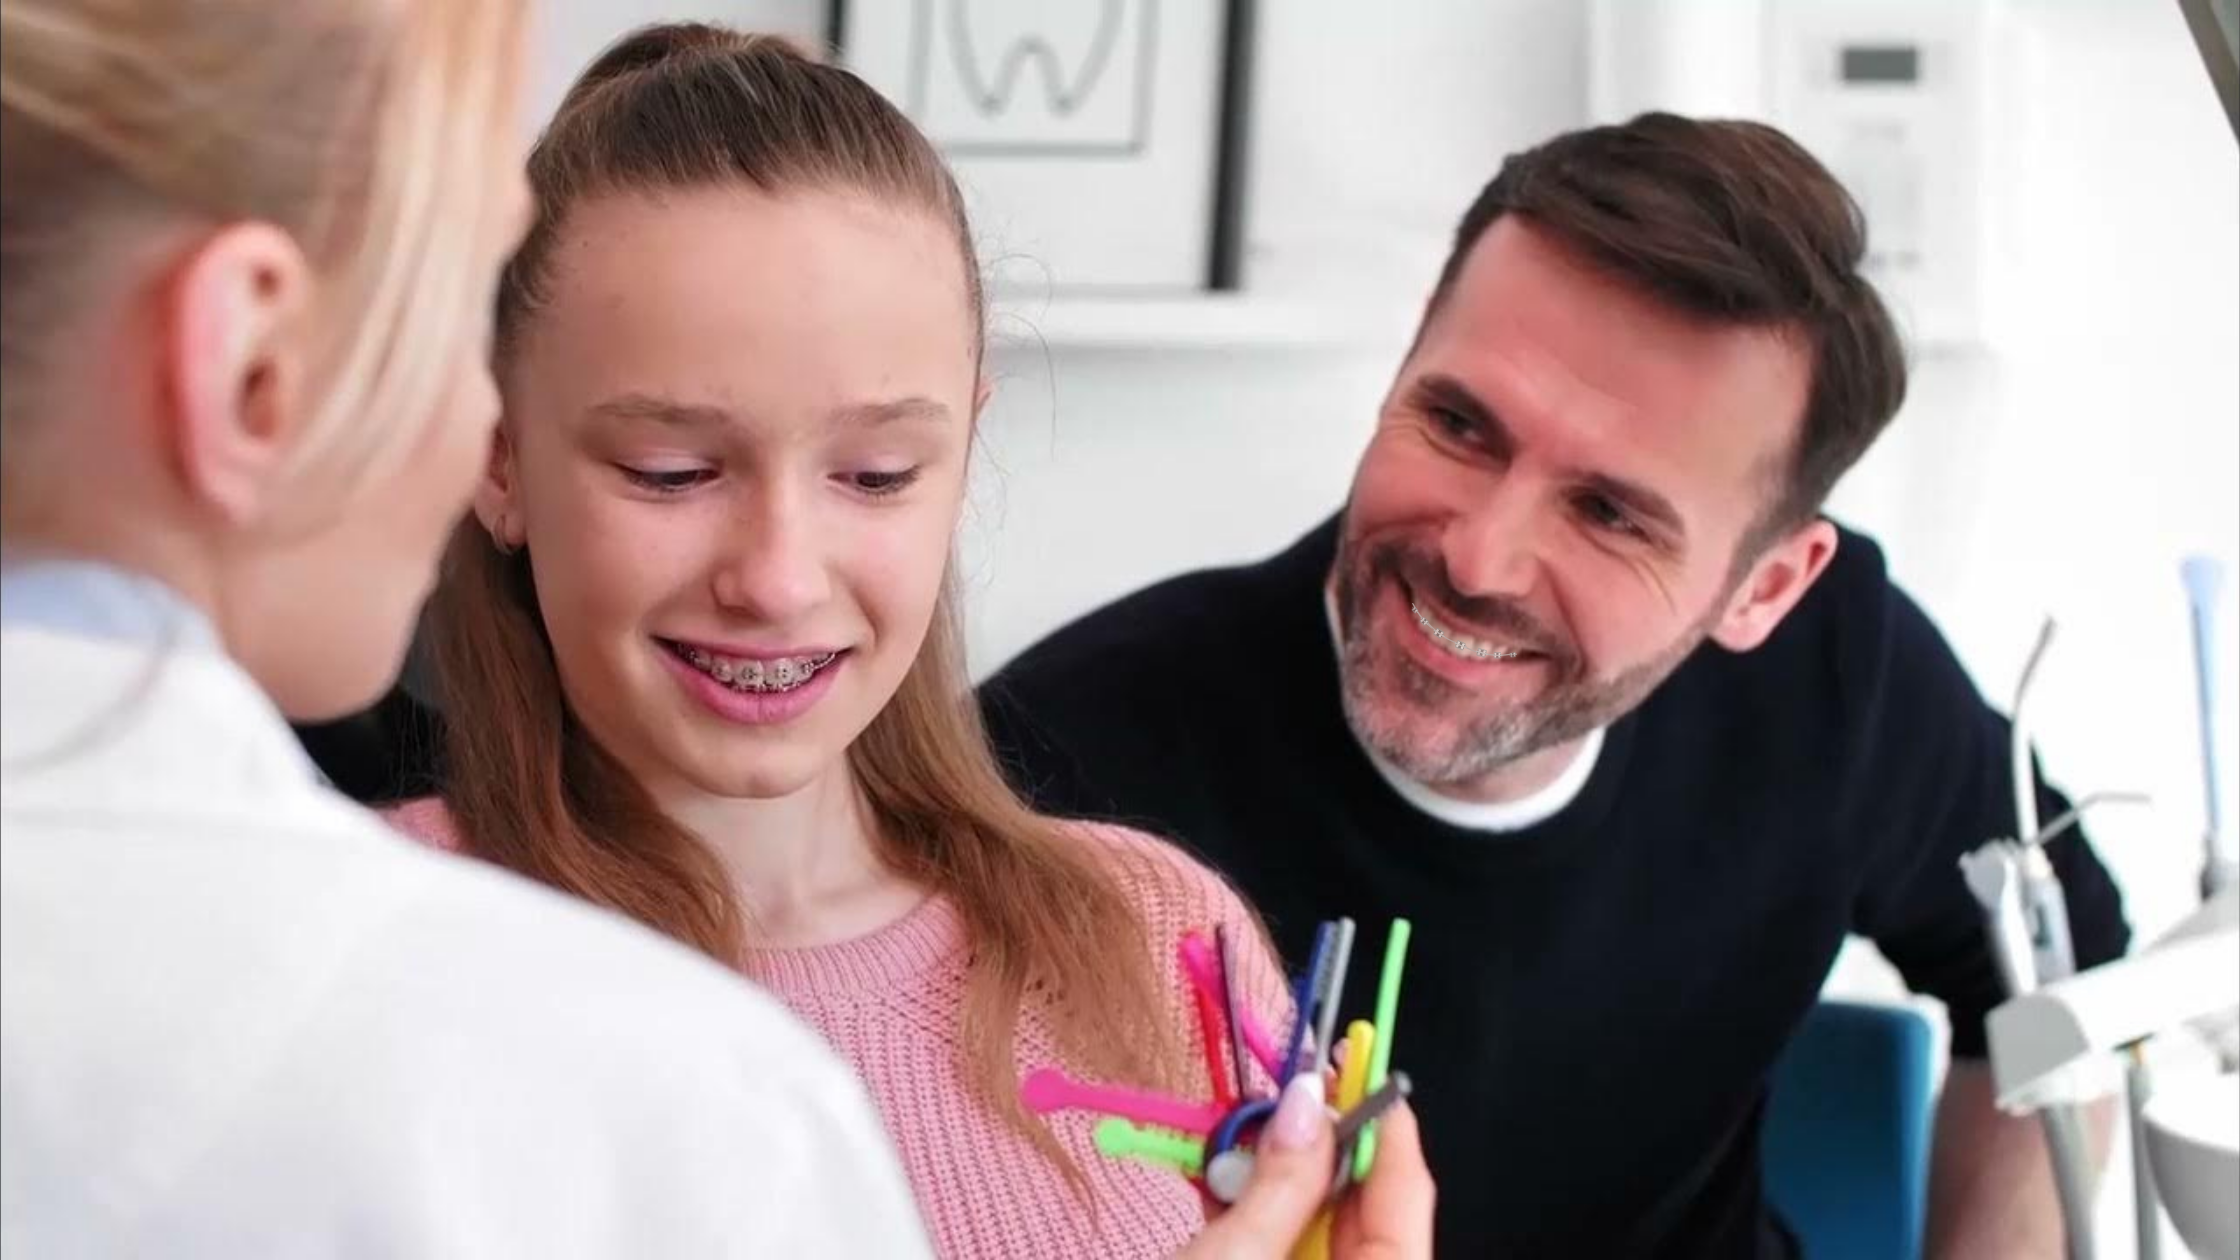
1049, 919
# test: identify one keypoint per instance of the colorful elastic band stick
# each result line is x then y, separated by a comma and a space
1388, 1017
1048, 1089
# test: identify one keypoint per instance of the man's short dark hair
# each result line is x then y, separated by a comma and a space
1733, 222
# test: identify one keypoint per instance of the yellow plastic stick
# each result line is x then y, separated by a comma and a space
1353, 1078
1353, 1086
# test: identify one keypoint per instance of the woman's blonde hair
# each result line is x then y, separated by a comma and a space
353, 125
1050, 921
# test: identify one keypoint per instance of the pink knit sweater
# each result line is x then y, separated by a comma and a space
889, 1003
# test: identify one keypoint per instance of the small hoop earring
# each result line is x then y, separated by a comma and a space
498, 540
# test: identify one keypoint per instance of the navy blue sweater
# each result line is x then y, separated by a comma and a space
1593, 1004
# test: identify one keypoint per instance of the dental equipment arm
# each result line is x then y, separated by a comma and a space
2052, 957
2204, 579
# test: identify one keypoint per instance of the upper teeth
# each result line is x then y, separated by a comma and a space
1462, 644
783, 674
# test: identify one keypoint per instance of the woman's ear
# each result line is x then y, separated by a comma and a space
496, 504
235, 362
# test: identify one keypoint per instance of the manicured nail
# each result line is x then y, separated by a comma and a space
1300, 1118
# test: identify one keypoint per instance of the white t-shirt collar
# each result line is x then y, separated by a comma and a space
1488, 816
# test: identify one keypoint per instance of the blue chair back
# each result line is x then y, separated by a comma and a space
1846, 1140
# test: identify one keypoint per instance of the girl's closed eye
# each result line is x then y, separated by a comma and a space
665, 480
878, 483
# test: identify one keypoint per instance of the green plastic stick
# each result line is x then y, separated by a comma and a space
1124, 1139
1380, 1050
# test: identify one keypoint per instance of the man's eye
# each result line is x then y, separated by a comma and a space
1603, 513
1452, 423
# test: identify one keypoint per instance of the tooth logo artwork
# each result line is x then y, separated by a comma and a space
1046, 77
1066, 87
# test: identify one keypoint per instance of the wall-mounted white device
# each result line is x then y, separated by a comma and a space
1891, 95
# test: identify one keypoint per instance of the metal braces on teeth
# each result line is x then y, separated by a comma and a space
1462, 645
752, 676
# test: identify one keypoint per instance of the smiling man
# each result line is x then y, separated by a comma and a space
1583, 682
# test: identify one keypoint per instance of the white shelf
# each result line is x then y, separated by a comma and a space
1249, 322
1207, 322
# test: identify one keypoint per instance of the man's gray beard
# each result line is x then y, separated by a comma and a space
1489, 742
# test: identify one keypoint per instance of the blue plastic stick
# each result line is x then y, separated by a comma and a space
1306, 992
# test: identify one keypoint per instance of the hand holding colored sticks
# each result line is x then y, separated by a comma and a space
1283, 1211
1216, 1143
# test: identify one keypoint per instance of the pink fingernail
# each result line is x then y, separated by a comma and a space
1300, 1118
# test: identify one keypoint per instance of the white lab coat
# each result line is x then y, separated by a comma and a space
240, 1018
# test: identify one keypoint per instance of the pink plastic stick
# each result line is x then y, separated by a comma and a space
1048, 1089
1205, 972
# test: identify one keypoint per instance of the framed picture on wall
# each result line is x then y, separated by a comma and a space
1100, 143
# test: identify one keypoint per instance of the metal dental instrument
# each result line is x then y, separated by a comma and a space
2045, 909
2076, 812
2025, 778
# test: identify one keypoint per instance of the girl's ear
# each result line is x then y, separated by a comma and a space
496, 504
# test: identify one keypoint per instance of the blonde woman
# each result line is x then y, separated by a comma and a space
248, 255
697, 656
